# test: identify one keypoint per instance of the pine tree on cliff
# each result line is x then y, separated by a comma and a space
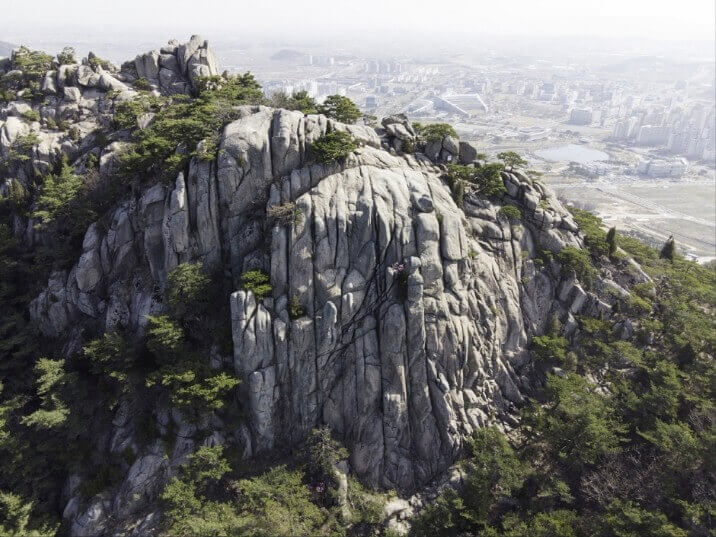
612, 241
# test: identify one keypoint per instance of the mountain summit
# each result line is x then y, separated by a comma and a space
201, 270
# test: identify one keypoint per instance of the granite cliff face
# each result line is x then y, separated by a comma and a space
414, 315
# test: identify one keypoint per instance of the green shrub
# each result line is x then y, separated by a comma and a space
458, 193
191, 385
625, 519
441, 518
340, 108
510, 213
285, 214
110, 355
549, 350
66, 56
95, 62
257, 282
142, 84
278, 504
512, 159
486, 179
333, 146
434, 132
579, 261
165, 339
595, 239
16, 521
165, 147
577, 423
51, 379
295, 310
59, 195
489, 181
33, 65
187, 291
493, 472
366, 506
322, 455
297, 101
31, 115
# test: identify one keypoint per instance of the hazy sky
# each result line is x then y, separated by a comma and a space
669, 20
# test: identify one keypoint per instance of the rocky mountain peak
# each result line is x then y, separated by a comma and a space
397, 315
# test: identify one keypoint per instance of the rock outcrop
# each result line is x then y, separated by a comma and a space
176, 68
415, 314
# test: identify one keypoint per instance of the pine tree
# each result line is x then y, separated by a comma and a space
612, 240
669, 249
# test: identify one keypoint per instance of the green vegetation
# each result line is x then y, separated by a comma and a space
549, 349
512, 159
340, 108
68, 203
595, 238
257, 282
434, 132
510, 213
489, 181
66, 56
59, 195
618, 443
299, 100
579, 261
333, 146
164, 148
187, 291
95, 62
668, 250
485, 180
295, 310
611, 239
32, 64
141, 84
31, 115
288, 500
285, 214
19, 153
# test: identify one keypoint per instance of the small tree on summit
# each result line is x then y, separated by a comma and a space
340, 108
512, 159
66, 56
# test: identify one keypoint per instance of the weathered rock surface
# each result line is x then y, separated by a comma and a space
415, 313
175, 68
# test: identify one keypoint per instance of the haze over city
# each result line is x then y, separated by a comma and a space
613, 101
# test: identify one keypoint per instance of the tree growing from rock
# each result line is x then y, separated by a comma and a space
66, 56
340, 108
333, 146
612, 240
512, 159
